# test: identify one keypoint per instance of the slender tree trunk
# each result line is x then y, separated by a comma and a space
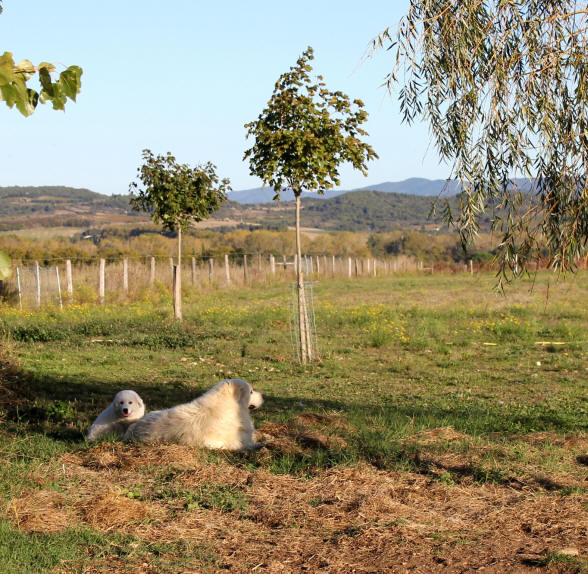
303, 323
178, 281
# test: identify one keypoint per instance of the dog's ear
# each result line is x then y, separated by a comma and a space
238, 388
227, 386
140, 401
242, 391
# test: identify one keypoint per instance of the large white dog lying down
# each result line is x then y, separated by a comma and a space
218, 419
126, 408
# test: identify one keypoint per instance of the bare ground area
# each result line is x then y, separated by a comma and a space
345, 519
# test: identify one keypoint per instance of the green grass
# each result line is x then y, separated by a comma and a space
219, 496
448, 352
36, 553
401, 356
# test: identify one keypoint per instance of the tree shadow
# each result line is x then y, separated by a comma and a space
63, 408
304, 434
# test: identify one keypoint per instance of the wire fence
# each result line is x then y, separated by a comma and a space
61, 282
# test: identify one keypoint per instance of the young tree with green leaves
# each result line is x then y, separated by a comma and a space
176, 195
504, 88
15, 91
301, 138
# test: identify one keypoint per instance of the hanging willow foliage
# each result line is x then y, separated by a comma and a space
504, 87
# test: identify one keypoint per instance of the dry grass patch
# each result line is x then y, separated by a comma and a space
128, 456
40, 511
304, 433
336, 520
114, 510
441, 434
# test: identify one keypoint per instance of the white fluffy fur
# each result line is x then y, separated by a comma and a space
218, 419
126, 408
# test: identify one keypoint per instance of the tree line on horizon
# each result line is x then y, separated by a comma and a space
118, 242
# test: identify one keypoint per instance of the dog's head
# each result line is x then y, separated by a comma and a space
128, 405
244, 393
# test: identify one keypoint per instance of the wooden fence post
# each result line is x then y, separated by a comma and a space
272, 264
349, 267
59, 287
19, 288
152, 271
126, 276
245, 270
38, 285
227, 271
210, 269
177, 291
193, 271
69, 280
101, 281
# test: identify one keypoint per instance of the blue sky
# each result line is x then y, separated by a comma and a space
185, 76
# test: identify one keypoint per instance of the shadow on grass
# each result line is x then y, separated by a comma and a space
64, 408
305, 435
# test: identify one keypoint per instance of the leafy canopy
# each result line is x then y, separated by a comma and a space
305, 133
177, 194
504, 88
15, 91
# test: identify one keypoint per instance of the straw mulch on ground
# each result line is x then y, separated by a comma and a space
345, 519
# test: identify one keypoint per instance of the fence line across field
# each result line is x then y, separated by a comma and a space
64, 281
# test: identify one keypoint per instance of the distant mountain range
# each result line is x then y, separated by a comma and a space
413, 186
375, 208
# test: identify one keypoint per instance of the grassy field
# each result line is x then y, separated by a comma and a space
444, 430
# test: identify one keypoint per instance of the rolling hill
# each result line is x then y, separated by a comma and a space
412, 186
369, 210
53, 206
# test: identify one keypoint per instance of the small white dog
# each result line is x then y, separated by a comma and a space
218, 419
126, 408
